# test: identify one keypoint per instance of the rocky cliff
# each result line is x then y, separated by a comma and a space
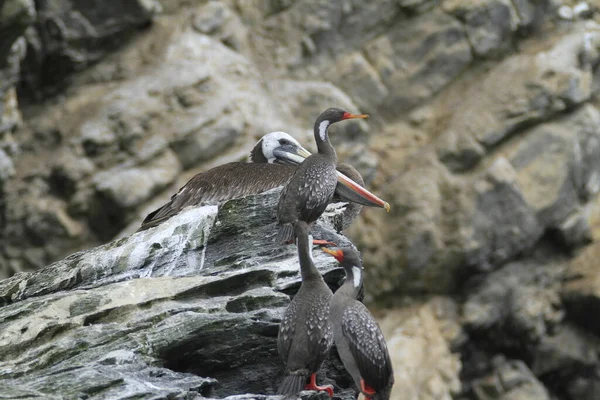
484, 138
189, 309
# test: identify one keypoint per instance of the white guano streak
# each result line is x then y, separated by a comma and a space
356, 276
323, 129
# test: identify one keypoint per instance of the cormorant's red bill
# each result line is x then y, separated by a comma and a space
347, 115
338, 254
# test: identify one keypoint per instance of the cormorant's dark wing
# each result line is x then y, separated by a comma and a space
367, 346
287, 330
317, 190
225, 182
318, 326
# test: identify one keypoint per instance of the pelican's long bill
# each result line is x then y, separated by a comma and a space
349, 190
292, 155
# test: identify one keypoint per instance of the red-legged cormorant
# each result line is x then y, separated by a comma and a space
305, 336
312, 186
357, 335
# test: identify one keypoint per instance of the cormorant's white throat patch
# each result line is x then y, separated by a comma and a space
356, 276
323, 129
310, 246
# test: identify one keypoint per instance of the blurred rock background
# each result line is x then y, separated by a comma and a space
484, 138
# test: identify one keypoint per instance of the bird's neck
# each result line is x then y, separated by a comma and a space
257, 155
307, 265
322, 139
352, 284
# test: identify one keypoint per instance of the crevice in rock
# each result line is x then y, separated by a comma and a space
232, 285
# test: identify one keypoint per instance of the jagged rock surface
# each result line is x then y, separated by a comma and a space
484, 139
185, 310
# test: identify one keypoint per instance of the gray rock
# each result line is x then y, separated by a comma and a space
122, 188
489, 25
68, 170
7, 168
70, 36
504, 225
516, 305
217, 19
211, 17
510, 380
581, 291
359, 79
206, 142
168, 311
586, 386
520, 91
15, 17
417, 59
417, 6
307, 99
565, 351
532, 13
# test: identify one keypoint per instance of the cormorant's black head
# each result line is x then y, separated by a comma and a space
346, 256
349, 259
334, 115
328, 117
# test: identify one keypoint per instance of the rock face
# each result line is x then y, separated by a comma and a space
484, 139
185, 310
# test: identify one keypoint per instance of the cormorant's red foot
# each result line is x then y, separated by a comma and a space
313, 386
366, 389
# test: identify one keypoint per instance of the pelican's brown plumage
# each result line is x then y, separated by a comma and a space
273, 162
237, 179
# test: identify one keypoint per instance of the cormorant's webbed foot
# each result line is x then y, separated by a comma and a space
368, 391
313, 386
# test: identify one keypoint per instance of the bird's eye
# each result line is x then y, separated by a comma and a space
283, 142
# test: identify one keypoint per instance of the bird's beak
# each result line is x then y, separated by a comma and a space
352, 116
293, 155
351, 191
338, 254
347, 189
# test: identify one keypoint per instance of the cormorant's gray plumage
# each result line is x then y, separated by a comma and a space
358, 338
305, 336
312, 186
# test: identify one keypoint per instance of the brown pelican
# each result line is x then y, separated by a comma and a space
305, 336
273, 161
312, 186
357, 335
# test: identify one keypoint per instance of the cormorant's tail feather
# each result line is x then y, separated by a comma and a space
292, 385
286, 234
